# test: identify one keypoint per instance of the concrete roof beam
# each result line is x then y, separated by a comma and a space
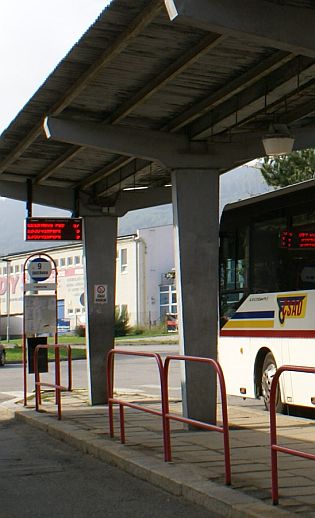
172, 150
283, 26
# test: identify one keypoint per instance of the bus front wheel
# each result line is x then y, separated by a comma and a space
268, 371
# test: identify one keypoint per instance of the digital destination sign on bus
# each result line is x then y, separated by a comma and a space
53, 229
297, 240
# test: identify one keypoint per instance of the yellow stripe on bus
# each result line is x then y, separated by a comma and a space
249, 323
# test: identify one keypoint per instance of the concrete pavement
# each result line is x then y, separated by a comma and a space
197, 470
44, 477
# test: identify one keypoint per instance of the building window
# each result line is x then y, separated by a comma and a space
77, 259
17, 268
123, 260
168, 301
61, 309
62, 262
164, 298
69, 261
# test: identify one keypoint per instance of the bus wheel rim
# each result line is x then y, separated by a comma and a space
267, 378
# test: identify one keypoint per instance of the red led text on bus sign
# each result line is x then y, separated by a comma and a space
53, 229
297, 240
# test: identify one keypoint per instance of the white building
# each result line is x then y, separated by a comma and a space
144, 286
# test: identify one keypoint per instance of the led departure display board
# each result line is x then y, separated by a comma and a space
297, 240
53, 229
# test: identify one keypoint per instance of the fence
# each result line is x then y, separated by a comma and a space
275, 448
200, 424
164, 413
122, 403
56, 385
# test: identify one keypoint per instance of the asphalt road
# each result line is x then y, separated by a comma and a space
131, 373
134, 374
43, 477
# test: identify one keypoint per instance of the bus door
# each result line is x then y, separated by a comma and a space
302, 350
286, 377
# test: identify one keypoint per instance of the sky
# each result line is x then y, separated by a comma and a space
34, 37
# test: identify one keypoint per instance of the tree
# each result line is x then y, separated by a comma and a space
121, 321
286, 170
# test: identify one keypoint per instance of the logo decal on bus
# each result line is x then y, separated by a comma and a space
292, 306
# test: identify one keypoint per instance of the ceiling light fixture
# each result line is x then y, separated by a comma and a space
139, 188
278, 141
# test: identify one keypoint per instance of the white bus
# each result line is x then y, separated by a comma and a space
267, 294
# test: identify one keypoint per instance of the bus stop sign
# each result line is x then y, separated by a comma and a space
39, 269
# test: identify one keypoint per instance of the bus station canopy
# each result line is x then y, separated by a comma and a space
156, 85
156, 100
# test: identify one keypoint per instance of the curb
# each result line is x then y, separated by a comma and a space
170, 477
146, 342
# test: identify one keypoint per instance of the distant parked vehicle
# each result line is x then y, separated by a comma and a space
2, 355
171, 322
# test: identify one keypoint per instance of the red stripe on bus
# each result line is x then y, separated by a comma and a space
269, 333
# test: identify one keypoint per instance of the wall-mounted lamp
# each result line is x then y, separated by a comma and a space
278, 141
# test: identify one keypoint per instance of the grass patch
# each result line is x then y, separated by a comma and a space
62, 339
15, 354
138, 331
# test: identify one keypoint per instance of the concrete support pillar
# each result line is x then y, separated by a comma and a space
196, 219
100, 234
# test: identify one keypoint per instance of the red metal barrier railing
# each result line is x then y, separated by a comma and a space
122, 403
200, 424
58, 388
275, 448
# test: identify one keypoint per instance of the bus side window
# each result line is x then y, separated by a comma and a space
227, 261
233, 271
267, 270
